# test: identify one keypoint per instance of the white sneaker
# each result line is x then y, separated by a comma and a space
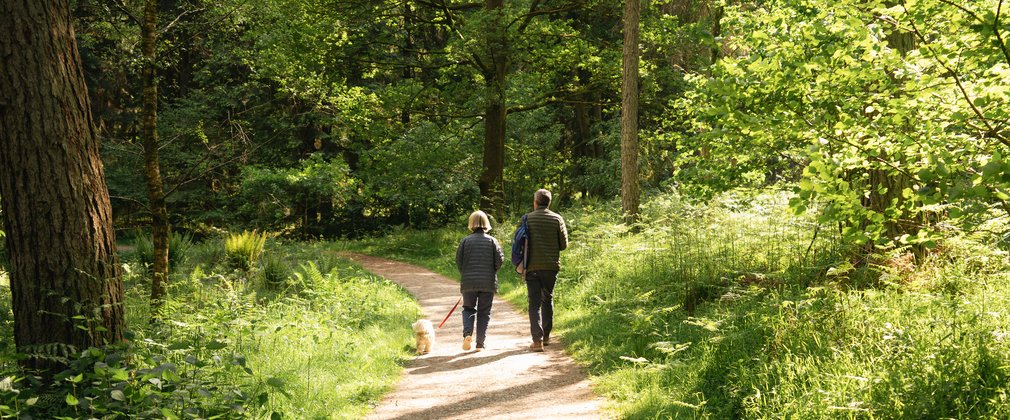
466, 342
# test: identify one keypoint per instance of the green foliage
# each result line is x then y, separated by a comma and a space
8, 353
230, 349
243, 250
421, 175
275, 271
302, 200
862, 104
179, 245
137, 378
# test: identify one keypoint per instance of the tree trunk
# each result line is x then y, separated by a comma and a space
885, 187
584, 146
65, 275
152, 167
491, 183
629, 114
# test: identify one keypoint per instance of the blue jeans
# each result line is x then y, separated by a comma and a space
540, 292
477, 305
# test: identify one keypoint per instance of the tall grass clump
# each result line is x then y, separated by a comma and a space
243, 250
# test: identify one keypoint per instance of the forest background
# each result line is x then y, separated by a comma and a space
877, 128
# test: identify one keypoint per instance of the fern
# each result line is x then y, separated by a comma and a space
179, 245
243, 250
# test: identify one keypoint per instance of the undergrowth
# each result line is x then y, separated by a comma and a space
310, 336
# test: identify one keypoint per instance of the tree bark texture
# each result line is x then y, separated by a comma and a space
630, 195
152, 167
491, 183
65, 275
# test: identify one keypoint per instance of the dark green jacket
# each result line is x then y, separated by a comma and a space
548, 237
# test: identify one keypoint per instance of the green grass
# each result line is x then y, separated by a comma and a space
325, 343
738, 309
334, 338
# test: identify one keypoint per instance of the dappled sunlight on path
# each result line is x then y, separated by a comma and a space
505, 381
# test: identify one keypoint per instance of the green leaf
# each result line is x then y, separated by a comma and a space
171, 376
169, 414
178, 346
275, 382
72, 400
119, 374
117, 395
215, 345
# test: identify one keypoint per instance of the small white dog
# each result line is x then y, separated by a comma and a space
425, 335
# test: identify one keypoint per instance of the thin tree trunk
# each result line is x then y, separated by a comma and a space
65, 276
491, 183
152, 167
630, 195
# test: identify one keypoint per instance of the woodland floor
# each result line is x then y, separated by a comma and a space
505, 381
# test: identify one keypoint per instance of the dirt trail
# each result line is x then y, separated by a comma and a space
505, 381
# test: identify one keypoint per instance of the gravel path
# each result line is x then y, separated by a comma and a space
505, 381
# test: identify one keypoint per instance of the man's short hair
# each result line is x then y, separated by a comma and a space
542, 198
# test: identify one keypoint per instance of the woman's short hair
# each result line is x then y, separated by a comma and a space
478, 220
542, 198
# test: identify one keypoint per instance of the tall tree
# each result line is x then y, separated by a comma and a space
152, 167
630, 195
65, 276
494, 67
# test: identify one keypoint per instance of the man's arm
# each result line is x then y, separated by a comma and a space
562, 234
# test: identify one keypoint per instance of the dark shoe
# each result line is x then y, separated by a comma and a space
537, 346
480, 346
547, 341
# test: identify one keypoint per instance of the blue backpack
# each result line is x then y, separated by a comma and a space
520, 245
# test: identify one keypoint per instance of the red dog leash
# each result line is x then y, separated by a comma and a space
450, 312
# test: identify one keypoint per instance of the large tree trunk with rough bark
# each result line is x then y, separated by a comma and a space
630, 195
491, 183
65, 275
152, 167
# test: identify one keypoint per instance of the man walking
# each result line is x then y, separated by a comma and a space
547, 238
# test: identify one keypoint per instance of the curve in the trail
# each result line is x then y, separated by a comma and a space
505, 381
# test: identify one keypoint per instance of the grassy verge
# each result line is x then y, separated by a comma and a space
302, 334
737, 308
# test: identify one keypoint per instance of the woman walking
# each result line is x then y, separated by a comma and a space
478, 258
